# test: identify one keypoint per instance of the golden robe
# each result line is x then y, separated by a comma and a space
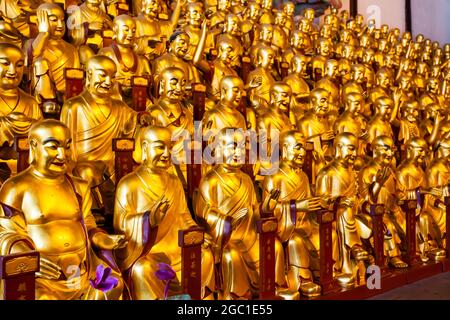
136, 194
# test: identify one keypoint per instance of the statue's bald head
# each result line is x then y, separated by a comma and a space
101, 62
382, 141
292, 136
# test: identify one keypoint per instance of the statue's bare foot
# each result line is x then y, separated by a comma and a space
310, 289
398, 263
359, 254
437, 254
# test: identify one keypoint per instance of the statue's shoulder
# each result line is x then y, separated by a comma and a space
25, 97
13, 189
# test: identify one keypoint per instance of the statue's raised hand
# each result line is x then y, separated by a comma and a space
48, 270
158, 212
43, 24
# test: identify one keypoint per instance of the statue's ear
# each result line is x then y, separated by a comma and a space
162, 84
144, 151
33, 146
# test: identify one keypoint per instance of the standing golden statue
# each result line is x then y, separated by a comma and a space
152, 200
128, 63
32, 218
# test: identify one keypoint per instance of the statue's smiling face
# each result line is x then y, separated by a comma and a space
180, 46
50, 147
125, 31
56, 22
11, 67
195, 15
173, 83
231, 91
294, 149
156, 148
101, 73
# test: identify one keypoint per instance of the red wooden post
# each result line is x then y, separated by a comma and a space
409, 207
284, 66
246, 68
123, 8
194, 170
377, 212
447, 226
267, 229
17, 273
123, 148
22, 148
74, 81
191, 241
325, 219
139, 92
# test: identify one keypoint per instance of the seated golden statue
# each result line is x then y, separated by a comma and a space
195, 14
32, 217
150, 30
172, 111
94, 119
218, 17
338, 181
128, 63
299, 86
432, 94
378, 186
228, 49
437, 177
225, 113
318, 62
409, 122
345, 63
18, 110
351, 119
301, 237
297, 46
178, 49
19, 12
316, 128
9, 34
289, 11
147, 198
88, 20
263, 37
383, 83
380, 124
329, 82
249, 24
430, 124
227, 207
411, 185
48, 55
280, 33
266, 12
260, 79
356, 82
